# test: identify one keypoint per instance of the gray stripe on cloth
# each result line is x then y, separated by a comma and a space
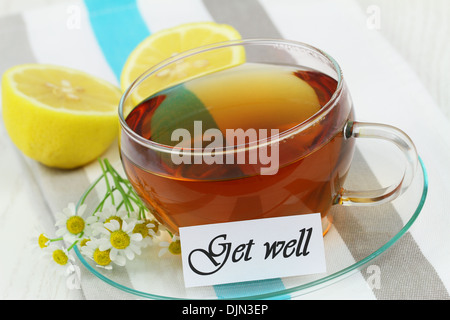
57, 187
14, 45
250, 19
247, 16
405, 277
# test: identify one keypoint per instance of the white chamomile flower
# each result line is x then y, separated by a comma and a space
106, 215
173, 246
71, 222
147, 229
91, 249
39, 239
59, 255
120, 239
43, 241
63, 265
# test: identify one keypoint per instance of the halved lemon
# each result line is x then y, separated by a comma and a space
168, 43
59, 116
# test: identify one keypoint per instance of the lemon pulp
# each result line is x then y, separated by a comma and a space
168, 43
59, 116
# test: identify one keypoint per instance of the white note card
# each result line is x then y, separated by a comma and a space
252, 250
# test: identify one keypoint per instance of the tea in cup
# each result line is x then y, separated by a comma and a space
270, 133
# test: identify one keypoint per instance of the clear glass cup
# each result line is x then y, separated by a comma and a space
314, 155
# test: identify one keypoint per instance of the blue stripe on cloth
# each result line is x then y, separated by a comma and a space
251, 289
237, 13
118, 27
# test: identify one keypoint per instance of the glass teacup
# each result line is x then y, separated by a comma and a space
269, 132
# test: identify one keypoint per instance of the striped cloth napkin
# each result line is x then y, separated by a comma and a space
96, 36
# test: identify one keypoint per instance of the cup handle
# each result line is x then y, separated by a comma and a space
402, 141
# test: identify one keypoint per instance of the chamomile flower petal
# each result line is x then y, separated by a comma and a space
60, 219
104, 244
60, 232
91, 220
70, 210
117, 257
129, 253
113, 225
128, 227
110, 212
101, 230
164, 248
136, 237
114, 254
135, 249
82, 210
120, 260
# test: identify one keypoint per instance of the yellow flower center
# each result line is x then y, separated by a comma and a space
175, 247
84, 241
102, 257
142, 229
60, 257
75, 224
120, 239
43, 241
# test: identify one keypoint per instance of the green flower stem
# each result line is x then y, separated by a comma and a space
73, 245
118, 184
134, 197
131, 193
102, 202
90, 189
108, 188
142, 213
121, 203
116, 179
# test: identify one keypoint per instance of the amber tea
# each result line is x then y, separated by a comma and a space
246, 104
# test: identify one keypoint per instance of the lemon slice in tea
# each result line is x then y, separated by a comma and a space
169, 42
58, 116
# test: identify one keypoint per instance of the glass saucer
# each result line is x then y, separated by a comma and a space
357, 236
